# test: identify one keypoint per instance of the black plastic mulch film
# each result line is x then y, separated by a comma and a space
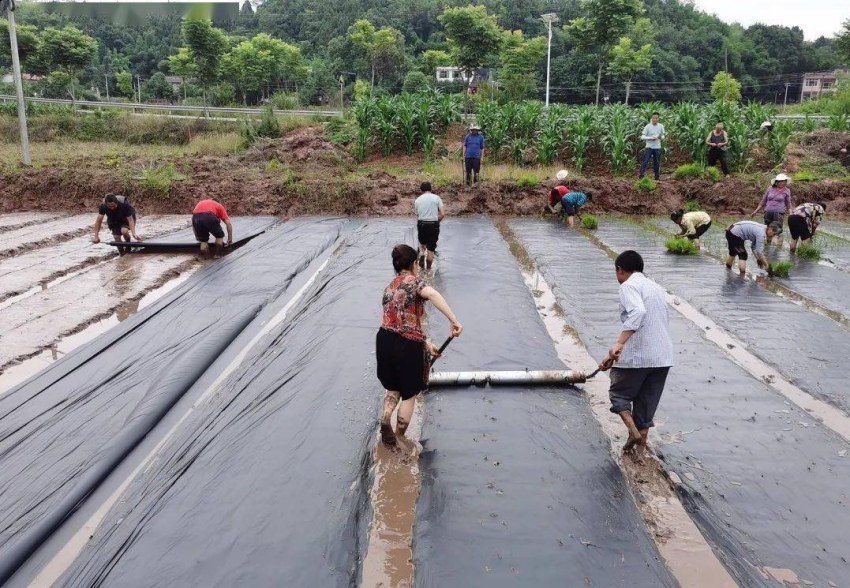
518, 485
63, 431
764, 481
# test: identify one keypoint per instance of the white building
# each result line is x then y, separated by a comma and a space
446, 75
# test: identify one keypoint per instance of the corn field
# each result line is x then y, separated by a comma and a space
525, 133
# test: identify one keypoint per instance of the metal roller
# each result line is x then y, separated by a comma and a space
505, 378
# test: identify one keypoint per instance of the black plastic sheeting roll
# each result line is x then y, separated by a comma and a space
244, 229
518, 484
63, 431
764, 481
804, 346
266, 483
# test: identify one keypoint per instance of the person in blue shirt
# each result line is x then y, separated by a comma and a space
473, 153
570, 204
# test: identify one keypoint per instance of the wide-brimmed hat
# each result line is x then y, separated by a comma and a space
474, 127
562, 175
781, 178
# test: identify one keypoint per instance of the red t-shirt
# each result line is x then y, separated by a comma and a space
403, 307
562, 191
213, 207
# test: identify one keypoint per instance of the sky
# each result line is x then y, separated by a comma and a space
816, 17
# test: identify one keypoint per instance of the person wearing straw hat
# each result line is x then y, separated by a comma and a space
776, 203
473, 153
561, 189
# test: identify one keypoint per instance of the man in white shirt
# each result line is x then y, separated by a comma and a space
653, 134
429, 213
643, 352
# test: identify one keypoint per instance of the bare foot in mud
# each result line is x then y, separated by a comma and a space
634, 439
387, 435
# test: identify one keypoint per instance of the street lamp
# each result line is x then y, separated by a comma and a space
549, 18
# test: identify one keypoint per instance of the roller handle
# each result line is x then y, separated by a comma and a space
442, 348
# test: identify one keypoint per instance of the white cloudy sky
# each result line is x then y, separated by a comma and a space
816, 17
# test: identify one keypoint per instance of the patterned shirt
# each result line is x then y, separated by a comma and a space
813, 213
643, 309
403, 306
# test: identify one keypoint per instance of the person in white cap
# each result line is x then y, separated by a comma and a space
776, 203
560, 190
473, 153
566, 201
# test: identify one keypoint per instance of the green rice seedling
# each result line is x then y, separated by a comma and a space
527, 180
713, 174
689, 170
809, 252
691, 206
780, 269
646, 184
681, 246
589, 221
805, 176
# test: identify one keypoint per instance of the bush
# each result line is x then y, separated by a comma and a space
157, 179
269, 125
527, 181
681, 246
646, 184
780, 269
805, 176
415, 82
691, 206
285, 101
589, 221
809, 251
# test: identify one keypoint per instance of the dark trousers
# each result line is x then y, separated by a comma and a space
655, 155
472, 165
714, 155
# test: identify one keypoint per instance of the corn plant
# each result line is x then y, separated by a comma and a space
810, 124
742, 138
364, 114
385, 123
424, 122
838, 122
405, 114
519, 145
579, 136
690, 130
526, 120
550, 135
447, 110
778, 139
755, 114
616, 142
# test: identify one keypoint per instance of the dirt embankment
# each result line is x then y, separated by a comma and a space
304, 173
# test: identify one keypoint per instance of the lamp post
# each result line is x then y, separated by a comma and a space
549, 18
8, 6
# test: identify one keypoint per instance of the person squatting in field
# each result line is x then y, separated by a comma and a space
120, 219
643, 353
206, 221
401, 346
562, 200
804, 221
757, 234
429, 214
693, 224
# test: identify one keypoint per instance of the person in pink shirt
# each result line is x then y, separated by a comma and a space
776, 203
206, 220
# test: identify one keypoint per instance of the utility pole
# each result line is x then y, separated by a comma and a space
725, 58
785, 102
138, 89
8, 6
342, 93
106, 77
549, 18
628, 91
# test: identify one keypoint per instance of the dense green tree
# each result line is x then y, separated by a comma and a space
632, 54
842, 42
474, 37
68, 50
28, 39
726, 88
124, 84
521, 61
605, 22
249, 68
206, 45
383, 48
434, 58
181, 64
157, 87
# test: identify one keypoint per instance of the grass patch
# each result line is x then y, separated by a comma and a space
527, 181
681, 246
691, 206
805, 176
589, 221
214, 144
809, 251
158, 179
780, 269
646, 184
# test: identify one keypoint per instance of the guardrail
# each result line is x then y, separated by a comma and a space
172, 107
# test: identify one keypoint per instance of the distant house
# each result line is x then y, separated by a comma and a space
817, 83
447, 75
175, 81
8, 79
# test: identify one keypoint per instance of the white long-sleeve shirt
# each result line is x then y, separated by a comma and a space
643, 309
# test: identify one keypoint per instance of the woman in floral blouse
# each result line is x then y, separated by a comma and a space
401, 344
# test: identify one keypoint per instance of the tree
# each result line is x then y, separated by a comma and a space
521, 59
289, 63
27, 40
416, 81
633, 54
842, 42
434, 58
248, 68
384, 48
474, 37
725, 88
181, 64
206, 45
606, 21
158, 87
124, 84
68, 50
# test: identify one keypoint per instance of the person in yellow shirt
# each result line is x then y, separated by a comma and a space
693, 224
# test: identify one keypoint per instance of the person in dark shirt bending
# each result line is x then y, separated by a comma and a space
120, 219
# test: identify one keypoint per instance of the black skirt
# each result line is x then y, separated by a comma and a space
402, 366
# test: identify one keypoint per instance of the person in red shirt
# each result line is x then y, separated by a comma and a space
206, 221
553, 204
401, 345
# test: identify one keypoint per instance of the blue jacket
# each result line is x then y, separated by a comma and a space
474, 144
575, 198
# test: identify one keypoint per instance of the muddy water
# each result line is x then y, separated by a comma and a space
36, 322
683, 547
17, 220
30, 236
30, 271
720, 427
17, 373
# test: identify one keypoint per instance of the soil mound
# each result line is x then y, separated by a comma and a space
303, 147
